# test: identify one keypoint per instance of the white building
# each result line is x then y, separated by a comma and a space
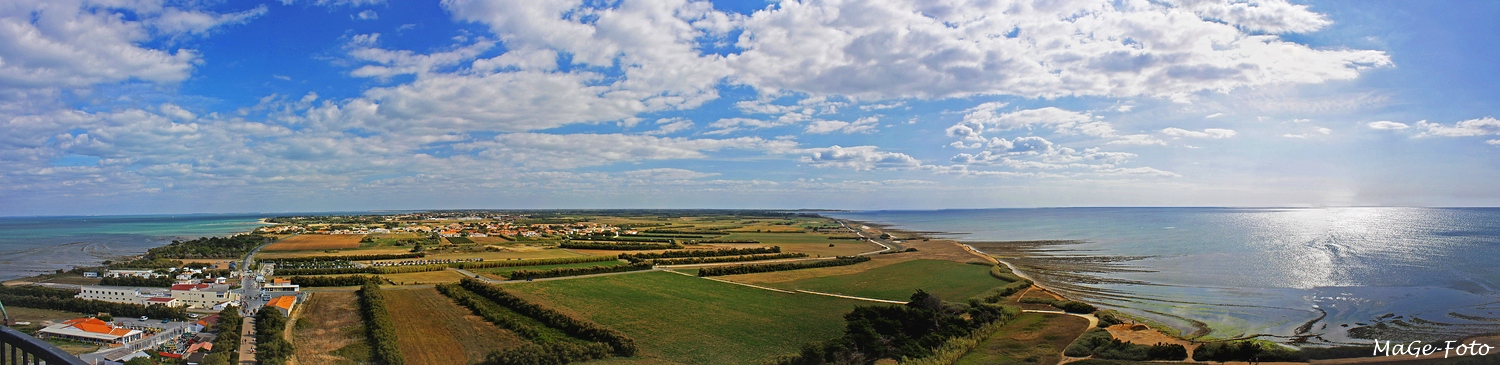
203, 295
136, 273
115, 294
91, 330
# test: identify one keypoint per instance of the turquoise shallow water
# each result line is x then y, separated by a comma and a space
32, 245
1428, 274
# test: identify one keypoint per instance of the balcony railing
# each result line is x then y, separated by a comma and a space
20, 349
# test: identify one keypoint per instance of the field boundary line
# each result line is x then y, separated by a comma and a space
743, 284
851, 297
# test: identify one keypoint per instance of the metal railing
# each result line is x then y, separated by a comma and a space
20, 349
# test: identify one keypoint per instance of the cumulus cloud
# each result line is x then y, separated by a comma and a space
180, 21
367, 14
670, 125
386, 63
955, 48
1388, 125
858, 158
541, 150
988, 116
1214, 133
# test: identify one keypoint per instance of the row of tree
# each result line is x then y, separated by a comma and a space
725, 241
780, 266
524, 274
371, 257
347, 280
600, 237
619, 246
544, 349
673, 231
709, 260
514, 263
363, 270
638, 257
583, 329
159, 282
227, 342
63, 300
271, 346
379, 327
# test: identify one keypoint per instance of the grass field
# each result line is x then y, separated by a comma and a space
689, 320
809, 243
329, 331
501, 272
491, 240
1031, 338
949, 280
446, 333
429, 277
264, 255
303, 242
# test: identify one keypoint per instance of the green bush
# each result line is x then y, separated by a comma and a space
1244, 350
349, 280
271, 346
1074, 307
159, 282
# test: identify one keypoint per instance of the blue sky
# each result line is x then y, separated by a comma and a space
151, 106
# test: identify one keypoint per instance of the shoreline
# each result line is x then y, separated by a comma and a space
99, 262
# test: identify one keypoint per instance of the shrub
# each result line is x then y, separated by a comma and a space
349, 280
1074, 307
1243, 351
271, 346
159, 282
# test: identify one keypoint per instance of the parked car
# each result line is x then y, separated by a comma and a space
144, 318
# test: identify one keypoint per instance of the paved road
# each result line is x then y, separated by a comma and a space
250, 299
873, 237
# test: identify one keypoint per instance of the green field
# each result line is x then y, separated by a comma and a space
1031, 338
689, 320
503, 272
949, 280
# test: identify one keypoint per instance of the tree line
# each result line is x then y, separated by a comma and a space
271, 346
514, 263
619, 246
348, 280
379, 327
389, 256
600, 237
363, 270
63, 300
543, 349
208, 247
159, 282
709, 260
622, 345
575, 271
780, 266
227, 341
638, 257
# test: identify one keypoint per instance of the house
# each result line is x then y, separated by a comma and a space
203, 295
167, 301
283, 303
90, 274
91, 330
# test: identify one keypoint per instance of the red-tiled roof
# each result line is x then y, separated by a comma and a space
189, 286
283, 302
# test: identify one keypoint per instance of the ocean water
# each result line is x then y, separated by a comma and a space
1292, 275
34, 245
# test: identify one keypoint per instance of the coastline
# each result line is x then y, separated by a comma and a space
148, 242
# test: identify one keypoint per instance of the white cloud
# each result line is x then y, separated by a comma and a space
387, 63
1214, 115
858, 158
179, 21
1062, 121
1493, 142
1325, 131
540, 150
74, 44
367, 14
955, 48
1215, 133
1388, 125
1468, 128
1138, 139
177, 112
335, 3
670, 125
1297, 136
862, 125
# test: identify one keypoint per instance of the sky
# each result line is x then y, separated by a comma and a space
202, 106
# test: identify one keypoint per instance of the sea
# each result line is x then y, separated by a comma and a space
38, 245
1313, 276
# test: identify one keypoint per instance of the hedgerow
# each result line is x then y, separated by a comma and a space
514, 263
622, 345
378, 326
350, 280
575, 271
708, 260
637, 257
781, 266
